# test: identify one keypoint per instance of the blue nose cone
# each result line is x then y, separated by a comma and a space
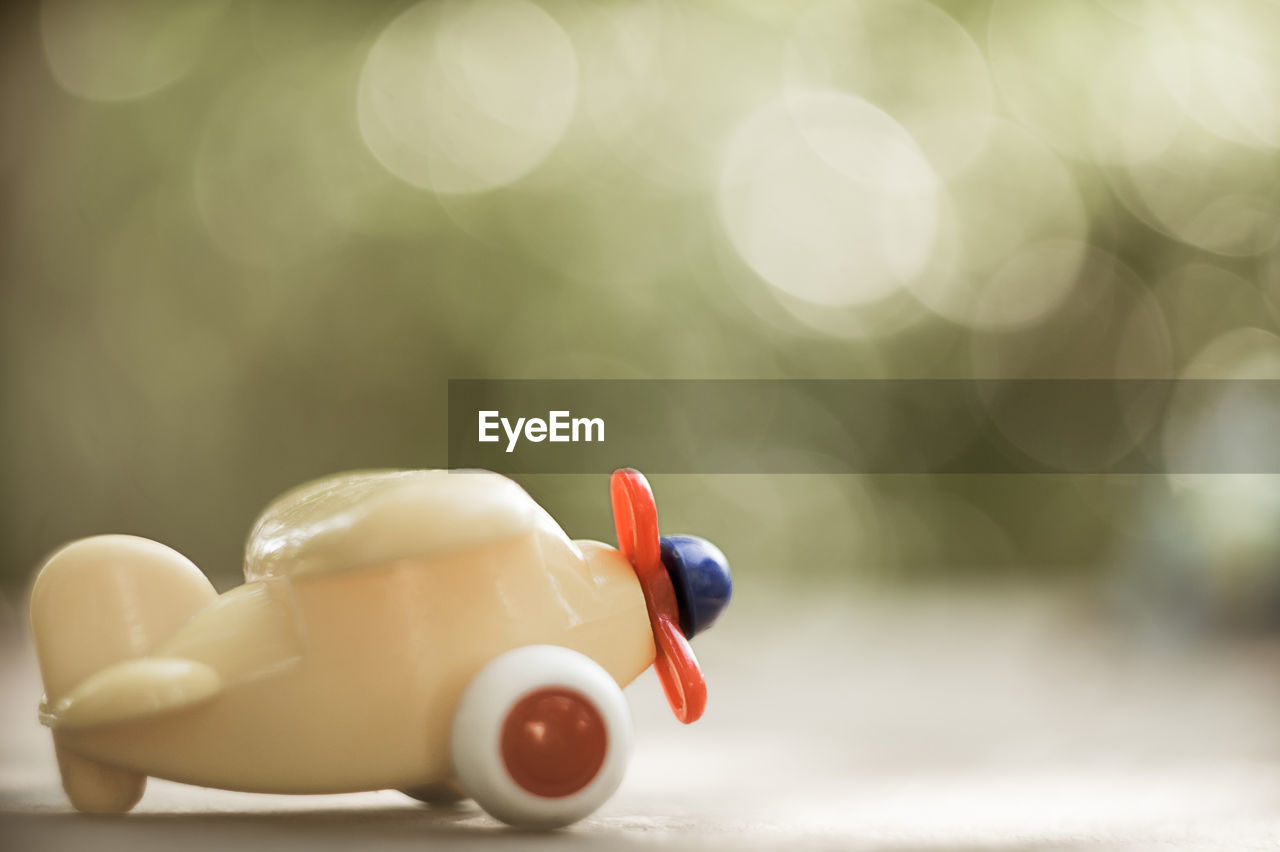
700, 574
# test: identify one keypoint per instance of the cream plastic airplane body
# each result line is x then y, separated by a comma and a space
372, 604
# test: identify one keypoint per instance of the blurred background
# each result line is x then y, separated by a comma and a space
244, 244
247, 243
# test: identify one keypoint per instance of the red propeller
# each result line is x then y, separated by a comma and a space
635, 515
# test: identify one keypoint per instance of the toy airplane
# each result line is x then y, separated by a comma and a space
429, 631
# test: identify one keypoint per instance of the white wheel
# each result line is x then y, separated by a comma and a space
541, 737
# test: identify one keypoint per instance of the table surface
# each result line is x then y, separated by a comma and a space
930, 720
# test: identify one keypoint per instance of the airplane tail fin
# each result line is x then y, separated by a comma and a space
109, 598
97, 602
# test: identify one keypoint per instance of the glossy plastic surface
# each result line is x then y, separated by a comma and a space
700, 574
635, 515
371, 602
316, 678
553, 742
372, 517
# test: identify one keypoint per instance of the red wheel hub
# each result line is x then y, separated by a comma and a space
554, 742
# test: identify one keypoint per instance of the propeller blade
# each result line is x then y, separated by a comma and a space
635, 515
679, 672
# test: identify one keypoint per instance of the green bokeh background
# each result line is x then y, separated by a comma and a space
213, 287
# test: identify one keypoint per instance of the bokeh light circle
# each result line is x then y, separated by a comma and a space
1211, 78
124, 49
466, 97
1220, 64
1132, 116
1042, 67
1108, 327
1206, 192
828, 198
1012, 237
664, 82
1179, 100
908, 57
1202, 302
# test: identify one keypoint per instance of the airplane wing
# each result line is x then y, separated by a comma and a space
134, 689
